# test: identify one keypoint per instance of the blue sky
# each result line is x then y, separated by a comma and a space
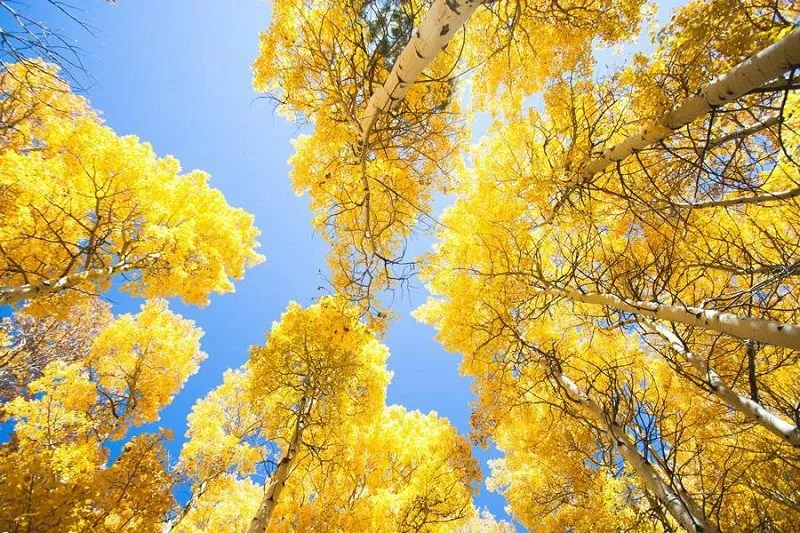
177, 74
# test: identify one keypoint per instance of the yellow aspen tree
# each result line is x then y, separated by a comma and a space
218, 456
322, 62
767, 65
319, 373
54, 471
493, 259
308, 411
587, 413
83, 206
32, 342
705, 86
225, 503
405, 471
378, 82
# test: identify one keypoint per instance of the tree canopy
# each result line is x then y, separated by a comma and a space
617, 268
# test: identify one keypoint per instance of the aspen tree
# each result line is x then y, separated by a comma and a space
310, 403
687, 249
83, 206
319, 372
73, 407
379, 84
406, 471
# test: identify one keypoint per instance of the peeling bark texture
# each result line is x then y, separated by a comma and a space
750, 74
278, 480
750, 408
438, 26
766, 331
680, 506
13, 295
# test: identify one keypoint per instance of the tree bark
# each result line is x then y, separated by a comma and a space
766, 331
680, 506
30, 291
440, 23
750, 408
750, 74
741, 200
278, 480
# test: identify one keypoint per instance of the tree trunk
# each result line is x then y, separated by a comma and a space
750, 74
440, 23
278, 480
12, 295
681, 507
766, 331
760, 198
744, 405
196, 495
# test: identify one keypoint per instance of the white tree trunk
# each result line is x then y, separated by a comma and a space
746, 406
261, 520
30, 291
750, 74
440, 23
278, 480
681, 507
766, 331
740, 200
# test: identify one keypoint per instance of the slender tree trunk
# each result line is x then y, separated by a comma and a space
31, 291
278, 480
744, 405
680, 506
750, 74
186, 508
440, 23
766, 331
740, 200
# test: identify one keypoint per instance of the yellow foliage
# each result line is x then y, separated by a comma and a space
140, 362
78, 198
54, 471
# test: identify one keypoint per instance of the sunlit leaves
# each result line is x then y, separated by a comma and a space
78, 198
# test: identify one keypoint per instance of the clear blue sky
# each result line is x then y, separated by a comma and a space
177, 74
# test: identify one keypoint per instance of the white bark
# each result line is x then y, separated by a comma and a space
766, 331
278, 480
261, 520
744, 405
740, 200
750, 74
30, 291
440, 23
680, 506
